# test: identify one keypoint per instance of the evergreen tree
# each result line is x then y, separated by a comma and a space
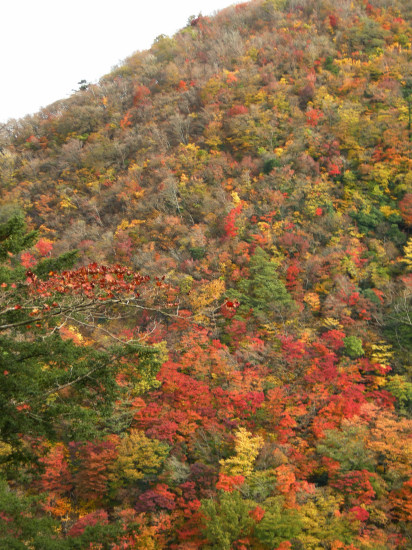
263, 291
52, 387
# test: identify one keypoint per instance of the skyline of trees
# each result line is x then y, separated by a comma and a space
205, 290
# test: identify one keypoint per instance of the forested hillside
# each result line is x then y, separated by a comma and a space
205, 291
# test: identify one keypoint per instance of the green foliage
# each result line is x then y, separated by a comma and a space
14, 237
63, 262
330, 66
23, 526
197, 252
322, 522
52, 387
353, 347
263, 291
259, 485
103, 536
366, 36
397, 326
226, 520
164, 47
51, 383
368, 219
270, 164
278, 524
401, 388
347, 446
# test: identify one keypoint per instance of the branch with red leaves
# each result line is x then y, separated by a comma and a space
87, 295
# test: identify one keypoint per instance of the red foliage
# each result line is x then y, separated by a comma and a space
27, 260
140, 93
237, 330
229, 483
291, 275
56, 477
313, 116
99, 517
229, 224
356, 486
237, 110
405, 207
359, 513
401, 501
257, 514
44, 247
333, 21
333, 169
285, 427
126, 122
283, 377
89, 281
153, 499
228, 309
95, 459
293, 350
294, 242
334, 339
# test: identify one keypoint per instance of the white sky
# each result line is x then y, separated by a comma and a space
48, 46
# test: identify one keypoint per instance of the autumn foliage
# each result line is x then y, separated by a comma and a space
205, 291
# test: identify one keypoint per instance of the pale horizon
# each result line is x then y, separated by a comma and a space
49, 47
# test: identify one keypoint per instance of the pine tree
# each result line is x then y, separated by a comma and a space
50, 386
263, 291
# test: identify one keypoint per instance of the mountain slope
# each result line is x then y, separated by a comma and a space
261, 162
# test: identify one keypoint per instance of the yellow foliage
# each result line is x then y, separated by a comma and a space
70, 332
281, 101
378, 276
381, 353
161, 348
390, 439
138, 456
320, 518
259, 97
5, 450
183, 180
204, 297
211, 89
312, 299
125, 224
408, 255
67, 203
332, 324
58, 507
236, 198
382, 173
247, 449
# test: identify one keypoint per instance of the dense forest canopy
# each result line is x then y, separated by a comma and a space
205, 291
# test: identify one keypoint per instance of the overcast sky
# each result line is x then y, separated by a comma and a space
48, 46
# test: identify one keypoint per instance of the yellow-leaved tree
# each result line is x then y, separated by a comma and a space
138, 457
408, 254
247, 448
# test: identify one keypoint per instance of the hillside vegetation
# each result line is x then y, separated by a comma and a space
205, 291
